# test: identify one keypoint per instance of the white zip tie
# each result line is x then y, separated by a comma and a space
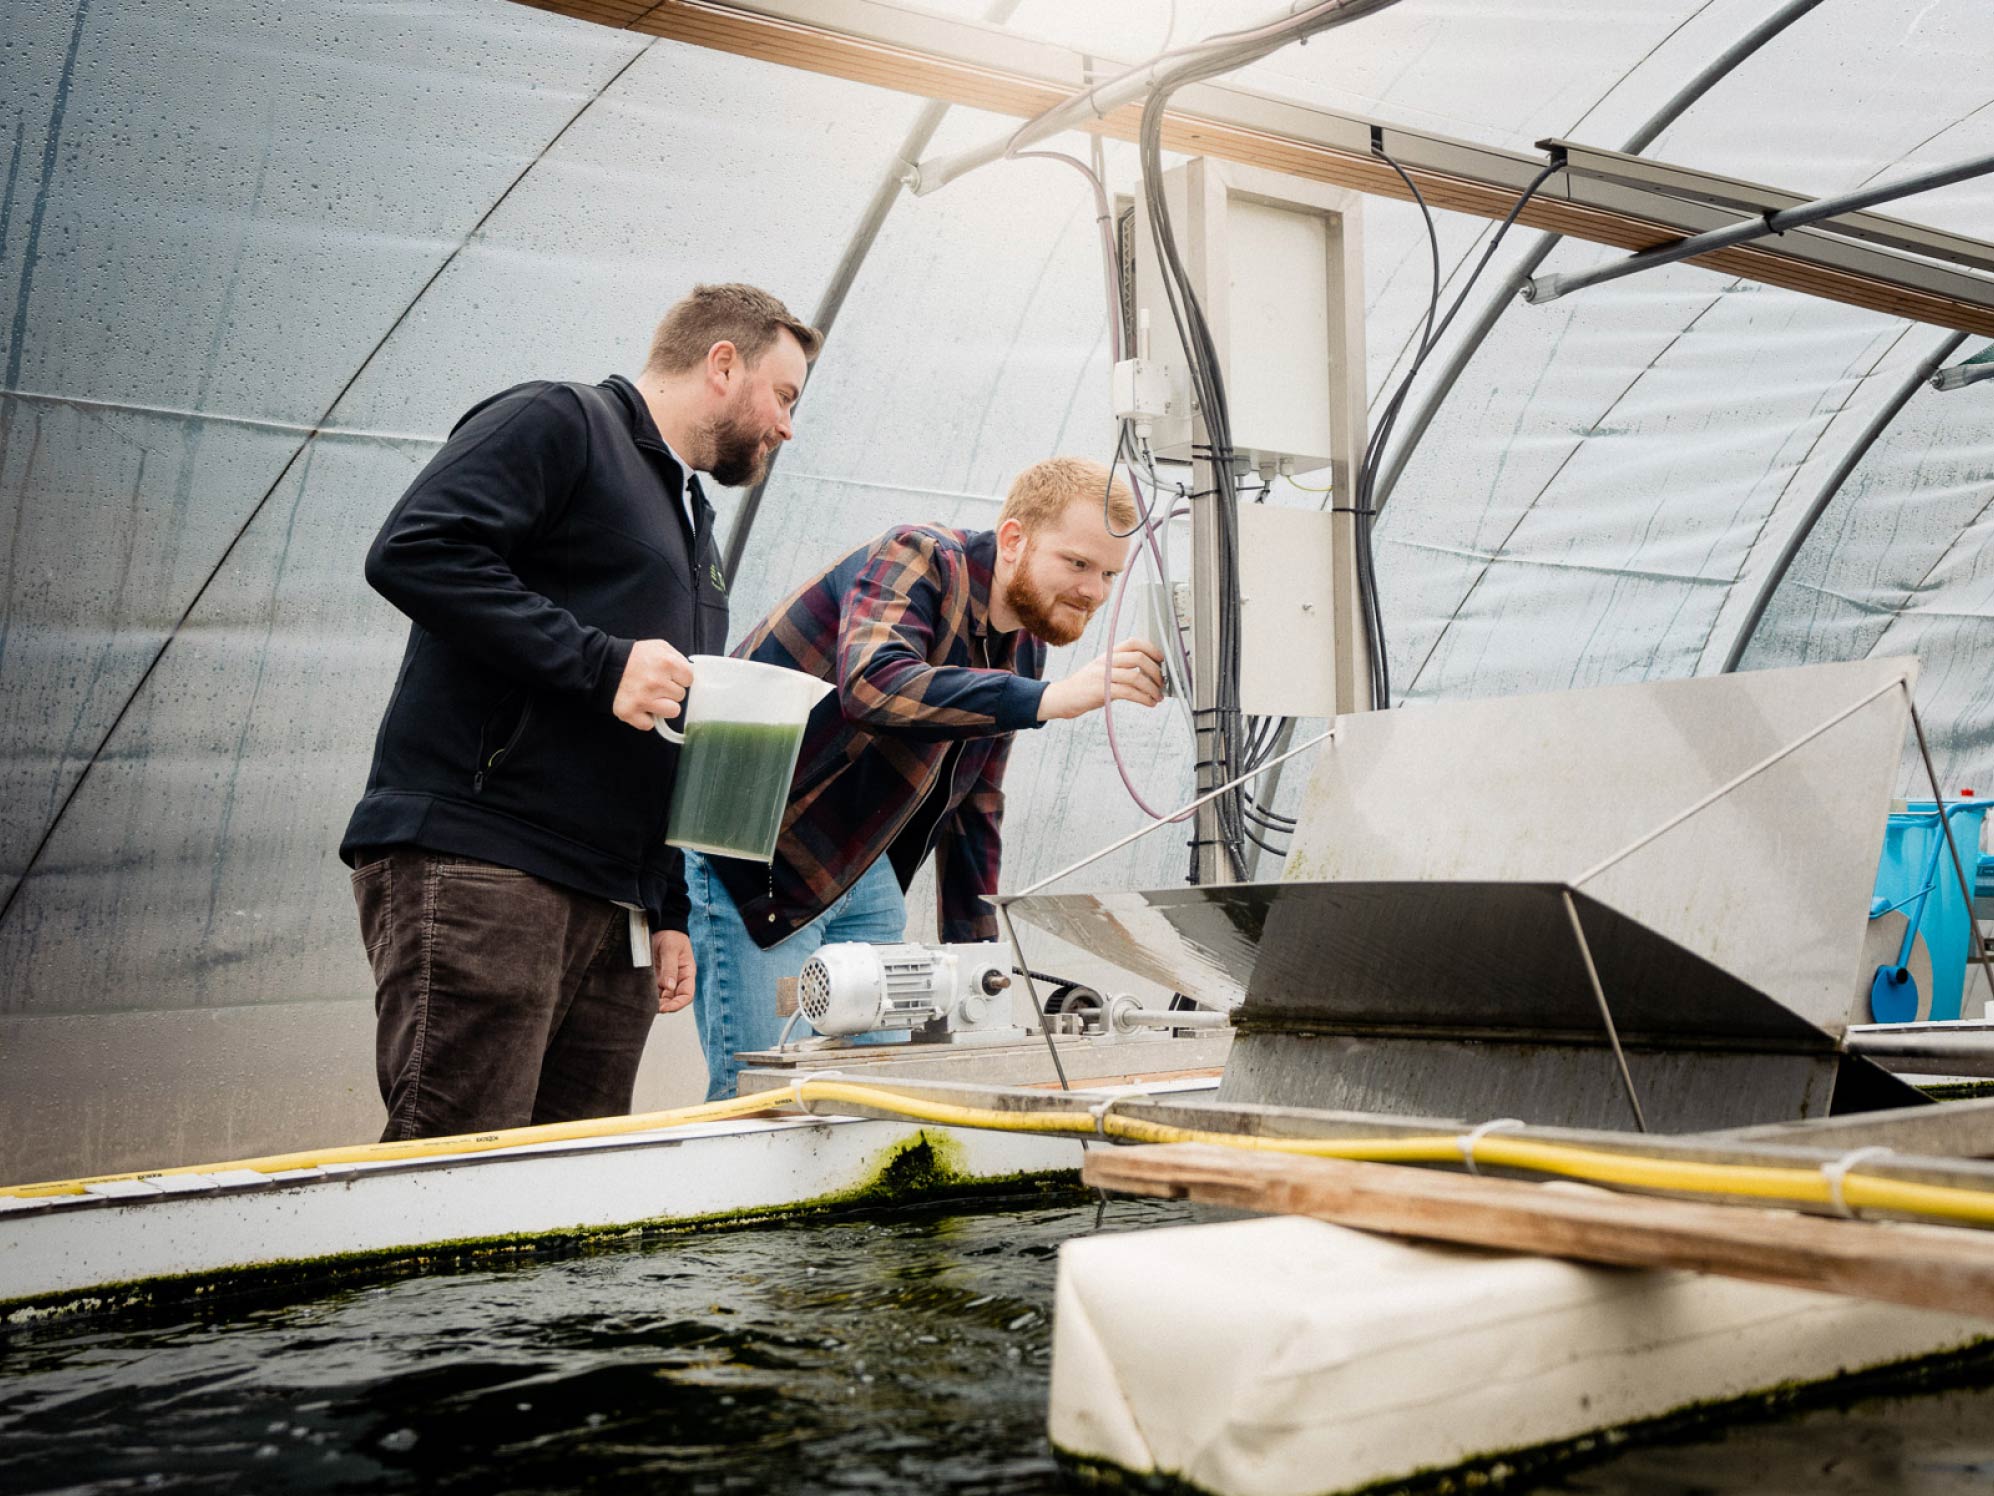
1837, 1171
1100, 1113
797, 1084
1468, 1140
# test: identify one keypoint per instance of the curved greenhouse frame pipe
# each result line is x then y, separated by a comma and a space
1504, 296
1879, 423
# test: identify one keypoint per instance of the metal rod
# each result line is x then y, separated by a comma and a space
1932, 1054
1878, 424
1032, 991
1606, 1013
1731, 784
1504, 296
1979, 936
1103, 99
1184, 1018
1550, 287
1003, 899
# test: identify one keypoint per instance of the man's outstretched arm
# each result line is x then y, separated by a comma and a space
886, 629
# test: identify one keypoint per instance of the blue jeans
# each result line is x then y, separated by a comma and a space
735, 1001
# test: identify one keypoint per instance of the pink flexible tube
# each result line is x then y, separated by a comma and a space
1118, 338
1108, 660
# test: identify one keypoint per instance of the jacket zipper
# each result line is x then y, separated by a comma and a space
519, 728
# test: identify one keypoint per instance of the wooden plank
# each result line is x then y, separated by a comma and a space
818, 49
1799, 1145
1920, 1267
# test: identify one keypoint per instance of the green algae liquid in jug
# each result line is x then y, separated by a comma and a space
733, 786
744, 723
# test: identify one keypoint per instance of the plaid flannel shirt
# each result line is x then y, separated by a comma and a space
902, 627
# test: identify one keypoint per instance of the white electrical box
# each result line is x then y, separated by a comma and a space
1141, 389
1287, 633
1287, 628
1267, 256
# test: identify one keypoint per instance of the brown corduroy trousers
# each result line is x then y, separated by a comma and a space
500, 999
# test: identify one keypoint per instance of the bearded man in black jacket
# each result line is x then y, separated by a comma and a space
523, 916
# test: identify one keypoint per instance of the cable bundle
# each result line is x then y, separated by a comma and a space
1236, 745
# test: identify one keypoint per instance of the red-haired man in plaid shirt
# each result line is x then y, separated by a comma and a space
935, 639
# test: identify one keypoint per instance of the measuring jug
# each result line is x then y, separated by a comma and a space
743, 729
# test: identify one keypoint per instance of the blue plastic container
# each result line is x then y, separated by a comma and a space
1916, 876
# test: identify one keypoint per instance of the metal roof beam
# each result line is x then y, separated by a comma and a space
1589, 163
892, 46
1823, 214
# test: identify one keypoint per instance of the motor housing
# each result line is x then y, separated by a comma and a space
939, 991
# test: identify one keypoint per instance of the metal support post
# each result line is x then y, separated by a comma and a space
1208, 862
1550, 287
1349, 430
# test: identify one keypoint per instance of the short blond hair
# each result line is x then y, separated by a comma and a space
745, 316
1043, 492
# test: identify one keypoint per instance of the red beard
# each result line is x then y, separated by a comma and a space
1035, 610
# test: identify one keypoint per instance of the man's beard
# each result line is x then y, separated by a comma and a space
738, 457
1034, 608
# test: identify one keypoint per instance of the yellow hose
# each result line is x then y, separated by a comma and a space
1562, 1160
1593, 1165
414, 1148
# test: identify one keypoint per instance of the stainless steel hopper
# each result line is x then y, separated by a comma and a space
1707, 846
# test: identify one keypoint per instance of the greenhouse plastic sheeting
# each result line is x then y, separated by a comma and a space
256, 259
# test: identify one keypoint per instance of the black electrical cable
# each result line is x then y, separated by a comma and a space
1108, 491
1260, 820
1253, 837
1367, 574
1225, 733
1208, 386
1427, 336
1365, 510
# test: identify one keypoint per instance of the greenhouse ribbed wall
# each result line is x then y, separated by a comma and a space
256, 260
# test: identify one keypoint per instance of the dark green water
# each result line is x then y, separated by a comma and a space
733, 786
892, 1355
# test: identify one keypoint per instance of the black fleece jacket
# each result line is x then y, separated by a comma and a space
536, 547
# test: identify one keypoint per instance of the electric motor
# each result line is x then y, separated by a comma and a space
852, 988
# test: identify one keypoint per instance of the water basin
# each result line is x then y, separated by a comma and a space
901, 1353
